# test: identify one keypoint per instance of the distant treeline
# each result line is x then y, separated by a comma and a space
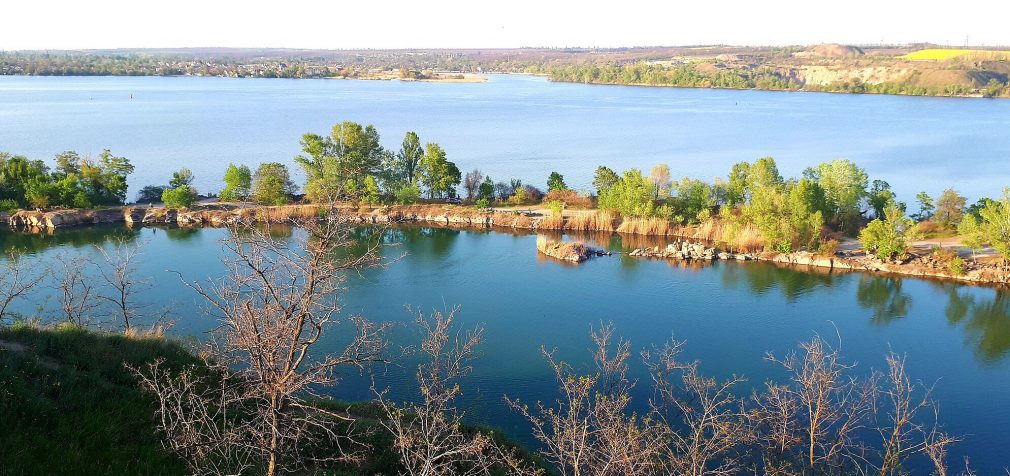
711, 75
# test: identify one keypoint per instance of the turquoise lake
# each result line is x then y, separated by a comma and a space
957, 337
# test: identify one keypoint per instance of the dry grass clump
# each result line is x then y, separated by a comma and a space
553, 222
563, 250
646, 226
745, 238
570, 198
592, 221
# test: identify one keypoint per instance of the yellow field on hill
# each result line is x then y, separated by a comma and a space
943, 54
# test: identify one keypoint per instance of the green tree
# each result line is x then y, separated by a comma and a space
181, 178
556, 182
992, 226
237, 183
182, 196
763, 173
150, 194
439, 175
408, 193
272, 185
880, 196
887, 237
844, 187
950, 208
486, 190
409, 157
972, 235
738, 186
603, 179
336, 166
692, 198
631, 196
925, 206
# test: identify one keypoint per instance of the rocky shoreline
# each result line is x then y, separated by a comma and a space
468, 217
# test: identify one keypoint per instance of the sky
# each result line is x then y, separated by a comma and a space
339, 24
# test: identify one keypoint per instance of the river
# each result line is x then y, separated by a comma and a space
957, 338
511, 127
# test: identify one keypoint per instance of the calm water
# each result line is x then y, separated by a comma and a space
730, 314
512, 126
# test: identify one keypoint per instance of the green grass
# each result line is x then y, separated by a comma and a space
69, 406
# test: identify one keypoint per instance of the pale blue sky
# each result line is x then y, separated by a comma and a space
59, 24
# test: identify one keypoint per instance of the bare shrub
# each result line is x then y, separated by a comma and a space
429, 436
75, 288
703, 422
588, 430
816, 417
118, 271
17, 279
274, 304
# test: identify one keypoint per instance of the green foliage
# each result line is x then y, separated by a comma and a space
844, 187
557, 208
336, 165
691, 198
76, 182
486, 190
482, 203
925, 206
408, 193
556, 181
738, 186
887, 237
237, 183
787, 215
71, 406
603, 179
182, 196
272, 184
438, 174
631, 196
370, 192
409, 157
183, 177
950, 208
957, 266
9, 206
150, 194
880, 196
992, 226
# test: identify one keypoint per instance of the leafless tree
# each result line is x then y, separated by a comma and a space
829, 408
17, 279
471, 183
703, 421
75, 288
589, 431
118, 272
199, 415
429, 435
274, 304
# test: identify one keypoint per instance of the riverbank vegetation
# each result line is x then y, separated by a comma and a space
753, 208
251, 400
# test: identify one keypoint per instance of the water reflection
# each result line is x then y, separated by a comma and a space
762, 278
985, 319
35, 243
884, 297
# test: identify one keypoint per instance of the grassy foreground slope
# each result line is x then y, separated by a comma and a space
70, 406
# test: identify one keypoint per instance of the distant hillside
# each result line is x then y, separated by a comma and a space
891, 69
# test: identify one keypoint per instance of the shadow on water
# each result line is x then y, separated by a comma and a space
884, 297
34, 243
984, 319
763, 278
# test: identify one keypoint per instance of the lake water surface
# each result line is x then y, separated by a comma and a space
957, 338
511, 127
